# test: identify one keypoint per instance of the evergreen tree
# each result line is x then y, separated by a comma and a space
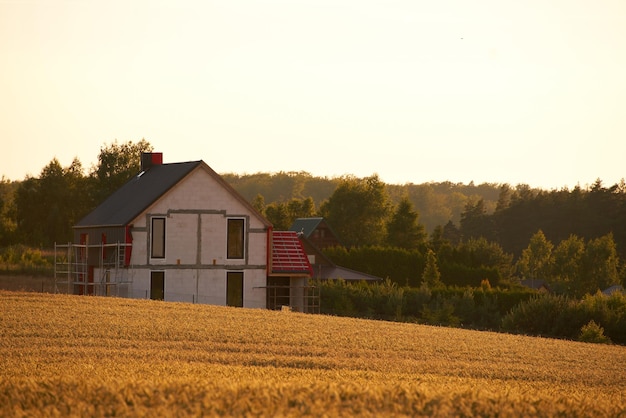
451, 233
431, 276
475, 222
403, 229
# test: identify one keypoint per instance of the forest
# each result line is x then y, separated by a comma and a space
437, 233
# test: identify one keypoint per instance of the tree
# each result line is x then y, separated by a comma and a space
278, 216
600, 265
479, 252
567, 264
403, 229
358, 211
8, 212
437, 239
474, 221
282, 215
504, 198
535, 261
259, 203
48, 206
117, 163
431, 276
451, 233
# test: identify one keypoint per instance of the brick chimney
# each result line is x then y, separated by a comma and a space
150, 159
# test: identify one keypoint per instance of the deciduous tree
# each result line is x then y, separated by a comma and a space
117, 163
7, 211
600, 265
535, 261
567, 264
358, 211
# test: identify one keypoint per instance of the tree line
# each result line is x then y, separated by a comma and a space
459, 234
40, 211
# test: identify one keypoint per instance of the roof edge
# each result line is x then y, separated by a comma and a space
235, 193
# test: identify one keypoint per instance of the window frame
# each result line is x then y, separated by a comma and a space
153, 238
157, 277
236, 250
235, 288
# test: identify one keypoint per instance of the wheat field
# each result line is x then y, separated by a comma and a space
64, 355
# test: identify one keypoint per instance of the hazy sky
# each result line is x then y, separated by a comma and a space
487, 91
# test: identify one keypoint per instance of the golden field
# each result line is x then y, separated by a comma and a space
66, 355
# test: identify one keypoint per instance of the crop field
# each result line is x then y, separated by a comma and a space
64, 355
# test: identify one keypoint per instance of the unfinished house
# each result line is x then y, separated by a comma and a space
179, 232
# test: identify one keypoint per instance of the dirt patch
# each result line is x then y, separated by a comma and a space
27, 283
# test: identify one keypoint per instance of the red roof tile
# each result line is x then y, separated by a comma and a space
288, 255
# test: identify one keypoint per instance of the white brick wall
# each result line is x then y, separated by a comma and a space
199, 205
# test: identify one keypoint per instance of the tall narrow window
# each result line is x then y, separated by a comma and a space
158, 238
234, 288
235, 244
157, 285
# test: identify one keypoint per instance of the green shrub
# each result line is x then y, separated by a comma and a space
440, 312
537, 316
25, 260
559, 316
593, 333
415, 298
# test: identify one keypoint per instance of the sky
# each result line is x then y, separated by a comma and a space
505, 91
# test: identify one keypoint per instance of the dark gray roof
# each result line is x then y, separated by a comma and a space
305, 225
328, 270
126, 203
335, 272
615, 288
535, 283
308, 225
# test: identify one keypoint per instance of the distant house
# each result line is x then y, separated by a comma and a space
317, 231
618, 288
179, 232
537, 284
316, 234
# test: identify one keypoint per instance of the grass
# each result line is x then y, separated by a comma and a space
26, 283
90, 356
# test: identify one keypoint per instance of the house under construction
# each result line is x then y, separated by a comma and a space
179, 232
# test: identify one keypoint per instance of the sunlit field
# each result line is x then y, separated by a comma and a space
66, 355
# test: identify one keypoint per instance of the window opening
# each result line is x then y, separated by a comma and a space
234, 288
235, 238
157, 285
158, 238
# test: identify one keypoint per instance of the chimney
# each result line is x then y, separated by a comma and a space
150, 159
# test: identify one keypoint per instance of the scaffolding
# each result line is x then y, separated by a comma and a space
75, 267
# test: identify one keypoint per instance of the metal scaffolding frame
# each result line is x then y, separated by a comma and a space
74, 270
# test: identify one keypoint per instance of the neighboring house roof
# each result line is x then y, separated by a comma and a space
613, 289
334, 272
325, 268
306, 225
288, 255
136, 195
536, 284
